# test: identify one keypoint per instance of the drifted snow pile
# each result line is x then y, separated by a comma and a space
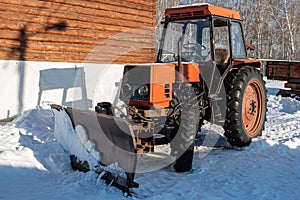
27, 139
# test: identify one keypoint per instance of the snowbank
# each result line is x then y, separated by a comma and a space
33, 164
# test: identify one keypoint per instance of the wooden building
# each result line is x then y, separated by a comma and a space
97, 31
70, 52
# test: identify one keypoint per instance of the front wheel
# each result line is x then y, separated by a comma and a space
182, 145
246, 106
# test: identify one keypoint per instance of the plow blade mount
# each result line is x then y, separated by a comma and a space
113, 139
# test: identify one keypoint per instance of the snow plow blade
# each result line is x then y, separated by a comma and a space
113, 139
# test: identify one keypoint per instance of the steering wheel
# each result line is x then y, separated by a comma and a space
194, 46
193, 51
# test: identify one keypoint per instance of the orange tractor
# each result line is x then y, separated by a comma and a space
202, 73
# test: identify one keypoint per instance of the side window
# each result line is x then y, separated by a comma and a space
221, 42
238, 46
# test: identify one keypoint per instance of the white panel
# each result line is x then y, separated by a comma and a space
25, 85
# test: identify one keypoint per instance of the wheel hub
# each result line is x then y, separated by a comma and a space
252, 107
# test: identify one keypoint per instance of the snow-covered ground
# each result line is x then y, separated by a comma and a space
33, 165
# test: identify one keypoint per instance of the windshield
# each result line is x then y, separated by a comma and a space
196, 45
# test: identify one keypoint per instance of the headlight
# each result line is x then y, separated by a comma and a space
126, 89
143, 90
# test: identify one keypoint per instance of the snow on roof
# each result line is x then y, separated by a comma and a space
191, 5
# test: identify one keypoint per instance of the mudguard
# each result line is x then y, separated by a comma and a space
113, 139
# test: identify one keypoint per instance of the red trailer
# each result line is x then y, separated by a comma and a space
284, 70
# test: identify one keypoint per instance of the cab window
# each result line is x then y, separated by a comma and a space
238, 46
221, 42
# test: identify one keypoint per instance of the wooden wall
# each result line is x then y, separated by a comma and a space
99, 31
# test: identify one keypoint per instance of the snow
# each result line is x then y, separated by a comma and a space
194, 4
34, 165
74, 141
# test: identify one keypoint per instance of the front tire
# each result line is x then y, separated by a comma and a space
182, 146
246, 106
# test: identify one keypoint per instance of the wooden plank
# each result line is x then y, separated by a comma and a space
143, 2
33, 29
15, 47
74, 57
290, 93
116, 40
81, 15
6, 120
76, 54
12, 37
140, 5
295, 71
103, 7
294, 86
57, 24
77, 7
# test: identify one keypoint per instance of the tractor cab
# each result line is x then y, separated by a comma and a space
202, 33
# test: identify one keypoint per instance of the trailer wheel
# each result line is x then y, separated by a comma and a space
182, 146
246, 106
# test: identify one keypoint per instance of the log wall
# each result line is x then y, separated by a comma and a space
98, 31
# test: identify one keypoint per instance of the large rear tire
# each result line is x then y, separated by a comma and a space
246, 106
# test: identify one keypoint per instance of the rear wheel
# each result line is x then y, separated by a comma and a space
246, 106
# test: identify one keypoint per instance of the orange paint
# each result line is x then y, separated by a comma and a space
204, 10
255, 63
162, 77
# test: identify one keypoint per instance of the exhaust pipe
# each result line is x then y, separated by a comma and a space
180, 70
